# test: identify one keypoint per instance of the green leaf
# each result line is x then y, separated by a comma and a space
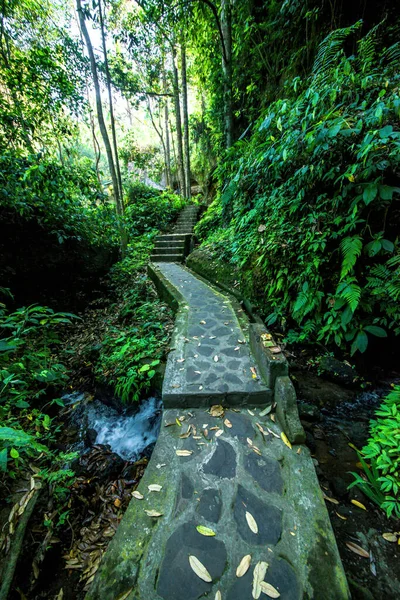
14, 453
369, 193
387, 245
360, 343
3, 460
375, 330
144, 368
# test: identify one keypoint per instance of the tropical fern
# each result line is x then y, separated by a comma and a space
331, 48
351, 249
350, 291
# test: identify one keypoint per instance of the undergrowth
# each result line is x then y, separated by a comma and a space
307, 209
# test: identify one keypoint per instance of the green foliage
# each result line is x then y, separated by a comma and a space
149, 209
138, 334
380, 480
306, 210
28, 367
66, 200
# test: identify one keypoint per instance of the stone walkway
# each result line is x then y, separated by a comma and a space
211, 361
226, 469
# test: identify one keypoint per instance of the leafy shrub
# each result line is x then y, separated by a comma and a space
381, 478
66, 200
137, 336
149, 209
27, 368
307, 209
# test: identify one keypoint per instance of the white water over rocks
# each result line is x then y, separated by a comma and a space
127, 434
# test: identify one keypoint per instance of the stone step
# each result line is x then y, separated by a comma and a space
169, 250
167, 243
167, 258
181, 237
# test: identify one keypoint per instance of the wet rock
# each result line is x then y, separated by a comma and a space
338, 371
223, 461
310, 442
267, 516
91, 435
309, 412
210, 505
316, 390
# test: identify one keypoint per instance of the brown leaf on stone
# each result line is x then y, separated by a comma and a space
250, 412
203, 323
219, 432
357, 549
275, 349
243, 566
199, 569
154, 487
227, 423
253, 372
217, 410
218, 595
251, 522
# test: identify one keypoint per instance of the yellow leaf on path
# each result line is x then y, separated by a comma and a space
153, 513
218, 595
357, 549
243, 566
358, 504
285, 440
137, 495
269, 590
258, 577
199, 569
184, 452
251, 522
227, 423
177, 421
219, 432
205, 531
389, 537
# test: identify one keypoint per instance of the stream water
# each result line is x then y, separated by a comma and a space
129, 432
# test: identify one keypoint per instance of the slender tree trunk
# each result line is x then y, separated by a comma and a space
166, 127
110, 100
158, 131
185, 118
173, 151
226, 27
102, 124
181, 171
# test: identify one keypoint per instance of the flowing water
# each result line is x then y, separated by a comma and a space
128, 434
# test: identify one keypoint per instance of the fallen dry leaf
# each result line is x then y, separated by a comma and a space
357, 549
117, 502
218, 595
216, 359
184, 452
155, 487
266, 411
273, 433
258, 577
358, 504
251, 522
205, 531
253, 373
243, 566
137, 495
285, 440
153, 513
219, 432
180, 360
269, 590
199, 569
250, 412
227, 423
216, 411
341, 516
329, 499
202, 322
389, 537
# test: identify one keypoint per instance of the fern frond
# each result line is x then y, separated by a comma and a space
351, 249
350, 291
391, 56
331, 48
367, 48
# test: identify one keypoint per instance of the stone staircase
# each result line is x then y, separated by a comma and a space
174, 247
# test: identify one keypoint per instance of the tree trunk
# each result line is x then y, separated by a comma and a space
181, 171
110, 100
226, 27
166, 127
102, 125
185, 118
